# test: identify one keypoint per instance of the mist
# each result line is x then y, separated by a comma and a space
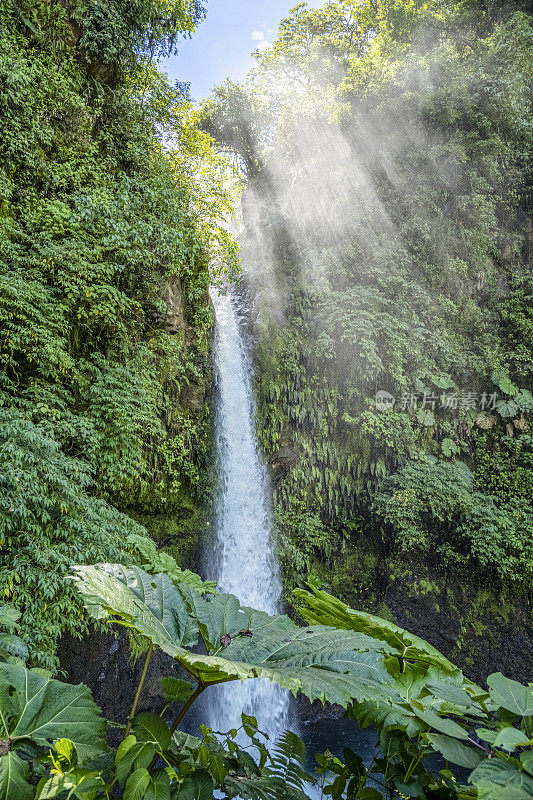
337, 176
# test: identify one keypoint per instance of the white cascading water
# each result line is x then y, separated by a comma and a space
242, 560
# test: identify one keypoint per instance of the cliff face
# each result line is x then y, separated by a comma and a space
175, 505
173, 298
481, 626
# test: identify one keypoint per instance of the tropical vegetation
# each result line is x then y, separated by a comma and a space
378, 158
110, 214
53, 734
387, 150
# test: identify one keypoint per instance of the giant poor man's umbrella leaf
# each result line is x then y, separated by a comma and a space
320, 661
36, 710
321, 608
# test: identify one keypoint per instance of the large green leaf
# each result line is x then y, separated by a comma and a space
383, 715
159, 787
511, 738
151, 604
176, 690
148, 727
138, 755
137, 784
198, 786
38, 709
9, 616
427, 699
321, 608
320, 661
456, 690
511, 695
455, 751
13, 778
14, 645
223, 614
42, 709
526, 761
497, 779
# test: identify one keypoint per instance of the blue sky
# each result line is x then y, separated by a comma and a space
222, 44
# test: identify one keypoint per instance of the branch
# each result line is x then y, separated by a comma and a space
139, 689
197, 692
479, 746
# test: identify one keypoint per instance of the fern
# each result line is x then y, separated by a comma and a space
288, 762
284, 777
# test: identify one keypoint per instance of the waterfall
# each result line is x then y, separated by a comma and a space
242, 558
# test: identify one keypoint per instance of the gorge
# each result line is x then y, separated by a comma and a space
265, 405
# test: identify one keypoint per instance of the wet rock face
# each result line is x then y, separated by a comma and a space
103, 662
282, 462
192, 396
173, 297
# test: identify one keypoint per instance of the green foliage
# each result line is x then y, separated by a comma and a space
301, 537
241, 643
437, 714
432, 506
106, 241
12, 648
154, 560
230, 116
420, 703
195, 766
394, 149
49, 521
120, 31
35, 710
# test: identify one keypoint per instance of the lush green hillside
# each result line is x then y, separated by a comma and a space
388, 153
385, 148
106, 237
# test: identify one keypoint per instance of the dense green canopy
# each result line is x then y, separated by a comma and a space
106, 239
388, 250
